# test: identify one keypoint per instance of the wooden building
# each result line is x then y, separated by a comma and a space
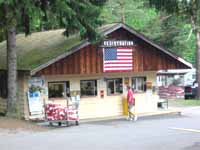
76, 66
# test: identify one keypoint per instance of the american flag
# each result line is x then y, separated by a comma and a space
117, 59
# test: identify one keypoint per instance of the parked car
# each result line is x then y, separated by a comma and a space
191, 90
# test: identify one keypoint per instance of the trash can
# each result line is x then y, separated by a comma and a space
125, 106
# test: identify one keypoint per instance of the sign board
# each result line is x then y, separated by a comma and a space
149, 85
36, 81
115, 43
126, 81
35, 103
76, 100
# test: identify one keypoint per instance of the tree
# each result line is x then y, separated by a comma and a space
189, 10
122, 4
166, 29
130, 12
28, 14
2, 35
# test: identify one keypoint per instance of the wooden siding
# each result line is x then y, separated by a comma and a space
89, 60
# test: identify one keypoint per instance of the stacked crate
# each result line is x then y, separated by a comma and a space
171, 92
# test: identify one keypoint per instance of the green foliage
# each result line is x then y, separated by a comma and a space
183, 102
136, 15
176, 36
186, 8
188, 12
169, 30
28, 15
39, 15
184, 45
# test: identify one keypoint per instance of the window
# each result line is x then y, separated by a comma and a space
114, 86
88, 88
58, 89
3, 85
139, 84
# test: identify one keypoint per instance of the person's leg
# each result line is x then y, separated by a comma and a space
128, 118
130, 114
135, 115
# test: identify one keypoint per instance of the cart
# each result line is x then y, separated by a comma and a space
58, 114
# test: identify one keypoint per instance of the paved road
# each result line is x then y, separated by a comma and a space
171, 132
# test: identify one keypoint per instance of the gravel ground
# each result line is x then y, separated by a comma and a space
12, 125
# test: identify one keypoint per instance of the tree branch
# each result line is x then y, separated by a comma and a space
165, 17
192, 19
189, 35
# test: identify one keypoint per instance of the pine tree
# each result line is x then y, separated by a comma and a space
22, 14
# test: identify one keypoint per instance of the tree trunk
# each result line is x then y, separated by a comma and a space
198, 63
122, 3
12, 71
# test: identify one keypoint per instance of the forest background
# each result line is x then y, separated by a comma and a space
170, 31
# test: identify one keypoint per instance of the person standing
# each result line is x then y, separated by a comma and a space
131, 104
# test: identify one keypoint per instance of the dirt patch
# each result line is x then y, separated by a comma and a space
12, 124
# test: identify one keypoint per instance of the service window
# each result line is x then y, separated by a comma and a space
88, 87
58, 89
114, 86
139, 84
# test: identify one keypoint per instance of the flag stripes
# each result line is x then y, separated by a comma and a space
117, 59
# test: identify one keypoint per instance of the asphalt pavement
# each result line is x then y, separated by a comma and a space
168, 132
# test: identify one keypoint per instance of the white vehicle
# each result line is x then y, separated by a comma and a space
190, 77
179, 77
190, 84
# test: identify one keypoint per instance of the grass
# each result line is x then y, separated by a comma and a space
183, 102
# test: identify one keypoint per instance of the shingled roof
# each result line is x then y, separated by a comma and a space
41, 49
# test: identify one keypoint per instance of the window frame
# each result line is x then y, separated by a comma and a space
114, 80
96, 90
64, 83
144, 84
